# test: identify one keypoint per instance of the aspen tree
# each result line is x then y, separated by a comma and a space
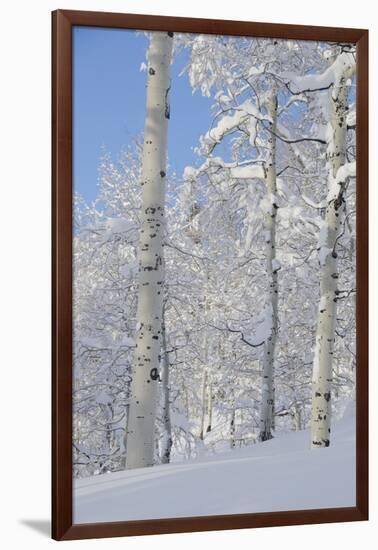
140, 432
338, 171
267, 394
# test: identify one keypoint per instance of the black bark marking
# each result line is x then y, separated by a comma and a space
151, 71
167, 112
154, 375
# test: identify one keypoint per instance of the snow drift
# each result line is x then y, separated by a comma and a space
277, 475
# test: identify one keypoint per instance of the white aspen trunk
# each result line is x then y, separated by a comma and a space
109, 427
325, 334
297, 417
233, 420
205, 381
166, 412
209, 406
203, 405
187, 409
232, 429
267, 394
274, 405
143, 389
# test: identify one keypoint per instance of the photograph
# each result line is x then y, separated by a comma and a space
214, 274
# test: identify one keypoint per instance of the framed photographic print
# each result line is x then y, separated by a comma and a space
210, 274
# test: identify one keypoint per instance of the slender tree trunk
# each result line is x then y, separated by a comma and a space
206, 377
232, 421
187, 408
297, 417
274, 405
109, 427
267, 397
209, 406
325, 334
145, 378
166, 416
203, 404
232, 429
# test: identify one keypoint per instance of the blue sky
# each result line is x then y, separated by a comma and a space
109, 93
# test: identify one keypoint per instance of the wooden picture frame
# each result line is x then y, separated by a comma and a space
62, 524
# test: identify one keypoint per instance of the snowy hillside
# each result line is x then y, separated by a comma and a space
280, 474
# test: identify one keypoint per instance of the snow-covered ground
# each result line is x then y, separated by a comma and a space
281, 474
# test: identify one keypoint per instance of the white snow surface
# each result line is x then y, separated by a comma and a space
245, 111
247, 172
281, 474
347, 170
342, 65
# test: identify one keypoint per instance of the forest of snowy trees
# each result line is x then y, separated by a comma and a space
215, 309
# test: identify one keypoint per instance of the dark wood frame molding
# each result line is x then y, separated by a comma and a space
62, 526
